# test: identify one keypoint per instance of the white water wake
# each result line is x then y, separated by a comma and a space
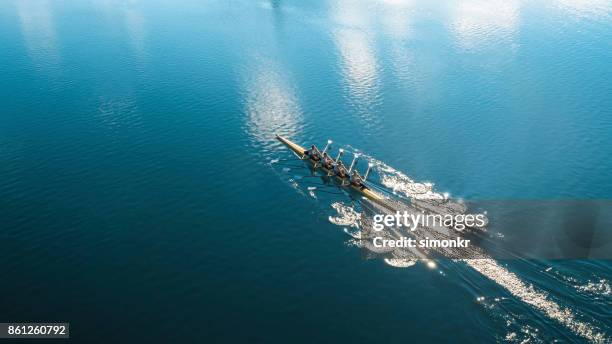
347, 216
401, 184
600, 287
422, 195
488, 267
537, 299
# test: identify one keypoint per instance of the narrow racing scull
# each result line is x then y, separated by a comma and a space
335, 168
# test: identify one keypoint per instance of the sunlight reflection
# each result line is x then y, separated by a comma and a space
36, 19
359, 67
587, 8
271, 104
351, 14
133, 20
396, 18
359, 63
479, 23
396, 15
135, 25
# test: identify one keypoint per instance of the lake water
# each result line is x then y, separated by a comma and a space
139, 203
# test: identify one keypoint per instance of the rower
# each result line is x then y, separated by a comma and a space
314, 153
328, 163
356, 179
341, 170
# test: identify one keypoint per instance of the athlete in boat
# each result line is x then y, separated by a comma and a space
314, 153
356, 179
328, 163
341, 171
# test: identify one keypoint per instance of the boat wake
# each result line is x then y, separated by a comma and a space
595, 286
601, 287
424, 197
400, 262
347, 216
536, 298
421, 194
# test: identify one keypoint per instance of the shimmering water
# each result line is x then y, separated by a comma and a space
138, 202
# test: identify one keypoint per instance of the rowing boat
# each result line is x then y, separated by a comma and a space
302, 153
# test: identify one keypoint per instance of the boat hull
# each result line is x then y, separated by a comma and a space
297, 149
301, 153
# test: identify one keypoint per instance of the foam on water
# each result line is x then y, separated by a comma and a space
537, 299
355, 234
597, 286
601, 287
400, 262
311, 191
400, 182
422, 194
349, 217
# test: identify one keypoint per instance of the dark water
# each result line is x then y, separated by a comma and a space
138, 202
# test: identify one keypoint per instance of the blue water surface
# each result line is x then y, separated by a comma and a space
138, 202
